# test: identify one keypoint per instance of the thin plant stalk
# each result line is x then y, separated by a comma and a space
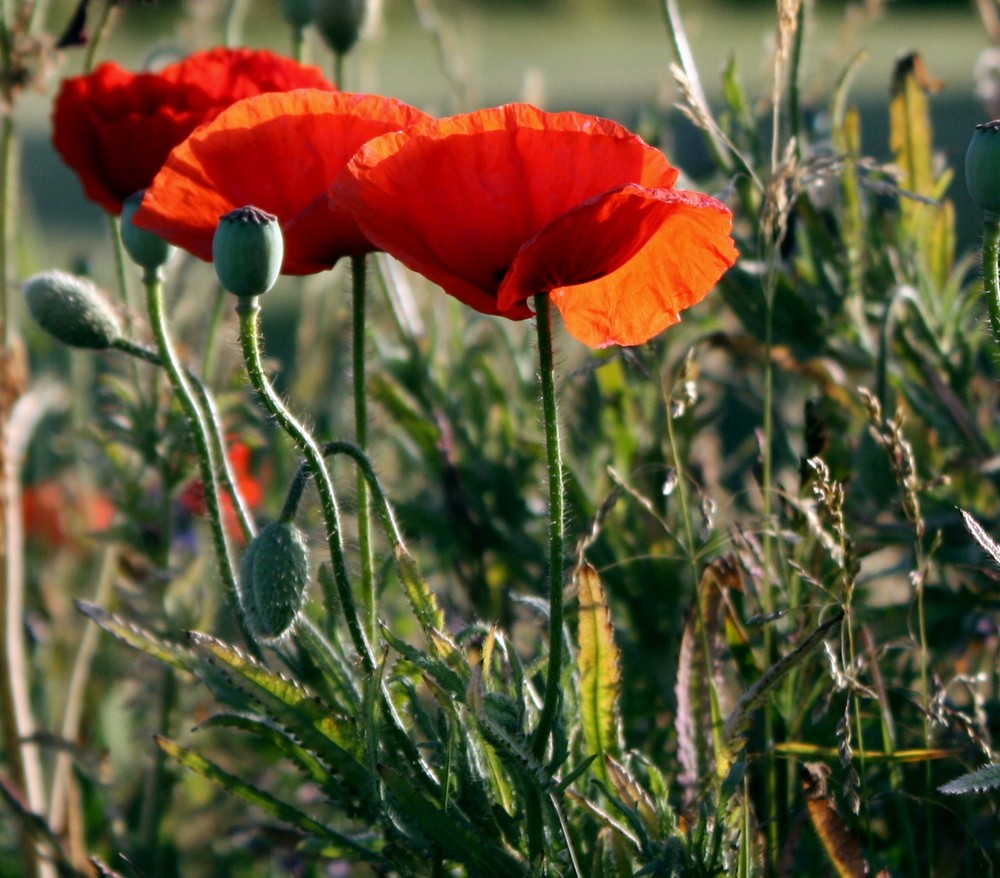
991, 269
358, 274
248, 310
153, 282
73, 711
557, 524
98, 32
213, 422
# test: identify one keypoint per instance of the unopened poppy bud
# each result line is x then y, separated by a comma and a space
339, 22
274, 577
72, 310
298, 13
147, 249
982, 166
248, 250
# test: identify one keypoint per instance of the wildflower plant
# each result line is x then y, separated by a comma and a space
671, 582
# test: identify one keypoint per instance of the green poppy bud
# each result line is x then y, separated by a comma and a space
339, 22
148, 250
248, 250
274, 577
72, 310
982, 166
298, 13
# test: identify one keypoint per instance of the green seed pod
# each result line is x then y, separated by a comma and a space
298, 13
340, 22
148, 250
248, 249
274, 577
982, 166
72, 310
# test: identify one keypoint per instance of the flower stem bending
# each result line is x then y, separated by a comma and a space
153, 282
557, 527
248, 310
214, 424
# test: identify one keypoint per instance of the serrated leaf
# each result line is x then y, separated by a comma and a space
261, 798
457, 838
755, 695
910, 136
447, 678
422, 599
599, 665
981, 780
978, 533
333, 738
138, 637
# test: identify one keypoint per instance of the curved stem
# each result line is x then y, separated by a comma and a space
248, 310
153, 283
361, 436
365, 470
214, 423
557, 526
991, 273
99, 31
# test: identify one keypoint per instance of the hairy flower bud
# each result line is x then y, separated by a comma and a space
340, 22
248, 249
982, 166
72, 310
147, 249
274, 577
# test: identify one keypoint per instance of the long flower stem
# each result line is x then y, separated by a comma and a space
991, 272
153, 283
361, 437
248, 310
213, 422
557, 525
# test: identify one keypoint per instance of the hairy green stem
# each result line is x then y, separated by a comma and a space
361, 437
248, 310
557, 524
98, 32
213, 421
991, 272
153, 282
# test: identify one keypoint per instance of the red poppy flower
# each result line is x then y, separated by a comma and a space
278, 152
58, 513
498, 205
249, 483
116, 128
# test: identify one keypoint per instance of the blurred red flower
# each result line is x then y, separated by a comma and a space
278, 152
498, 205
58, 513
115, 128
249, 483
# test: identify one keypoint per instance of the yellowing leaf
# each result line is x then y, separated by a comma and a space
600, 671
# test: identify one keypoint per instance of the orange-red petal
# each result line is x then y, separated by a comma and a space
676, 268
456, 198
115, 128
279, 152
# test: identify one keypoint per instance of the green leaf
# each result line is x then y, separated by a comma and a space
752, 698
979, 781
261, 799
458, 838
333, 738
598, 663
138, 637
422, 599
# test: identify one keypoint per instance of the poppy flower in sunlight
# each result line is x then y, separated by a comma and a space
115, 128
498, 205
280, 153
